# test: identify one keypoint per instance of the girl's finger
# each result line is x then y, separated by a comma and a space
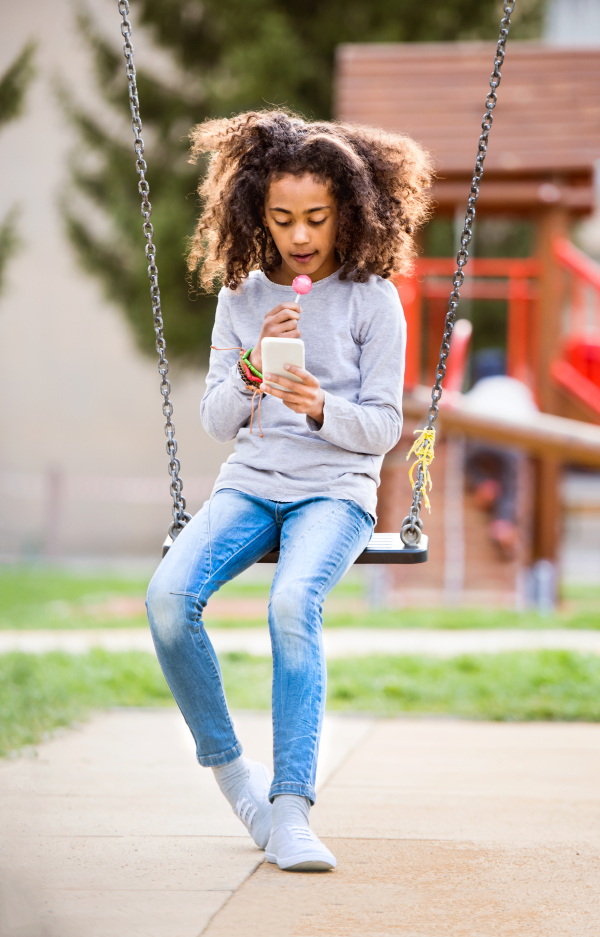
288, 327
292, 400
307, 377
284, 314
285, 382
272, 391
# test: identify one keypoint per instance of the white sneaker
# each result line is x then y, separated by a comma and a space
298, 849
253, 807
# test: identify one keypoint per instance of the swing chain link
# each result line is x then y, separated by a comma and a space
412, 525
180, 516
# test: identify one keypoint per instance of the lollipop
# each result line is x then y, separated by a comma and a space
302, 285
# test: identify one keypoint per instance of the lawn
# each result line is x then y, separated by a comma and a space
39, 693
42, 597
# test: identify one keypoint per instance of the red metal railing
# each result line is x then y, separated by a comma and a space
509, 279
582, 313
577, 370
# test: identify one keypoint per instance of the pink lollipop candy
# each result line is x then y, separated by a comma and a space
303, 285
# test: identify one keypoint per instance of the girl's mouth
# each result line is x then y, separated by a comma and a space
303, 258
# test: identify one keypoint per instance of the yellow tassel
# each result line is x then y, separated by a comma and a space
422, 448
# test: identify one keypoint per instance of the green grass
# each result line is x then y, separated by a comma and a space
533, 685
41, 597
546, 685
455, 619
39, 693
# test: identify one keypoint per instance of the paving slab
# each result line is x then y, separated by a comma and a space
113, 830
422, 889
443, 827
448, 779
338, 642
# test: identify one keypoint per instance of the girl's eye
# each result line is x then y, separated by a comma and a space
315, 223
283, 224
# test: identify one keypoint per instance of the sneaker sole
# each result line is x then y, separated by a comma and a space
309, 863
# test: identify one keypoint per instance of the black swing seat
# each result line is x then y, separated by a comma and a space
382, 548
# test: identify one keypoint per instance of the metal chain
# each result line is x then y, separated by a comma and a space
412, 524
180, 517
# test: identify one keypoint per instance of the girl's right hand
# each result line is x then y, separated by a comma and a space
280, 322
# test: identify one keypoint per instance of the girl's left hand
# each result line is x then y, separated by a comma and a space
306, 397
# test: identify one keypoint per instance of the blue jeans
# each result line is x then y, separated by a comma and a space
319, 539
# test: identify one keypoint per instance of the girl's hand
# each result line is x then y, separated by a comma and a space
306, 397
280, 322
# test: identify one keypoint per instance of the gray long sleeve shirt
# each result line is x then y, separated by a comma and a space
354, 336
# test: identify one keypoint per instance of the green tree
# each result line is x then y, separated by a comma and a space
228, 55
13, 88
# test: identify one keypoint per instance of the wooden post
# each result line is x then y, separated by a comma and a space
553, 222
547, 510
519, 312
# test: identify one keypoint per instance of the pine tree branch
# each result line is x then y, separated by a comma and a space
14, 84
10, 242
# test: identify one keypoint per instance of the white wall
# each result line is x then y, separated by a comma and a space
77, 396
573, 23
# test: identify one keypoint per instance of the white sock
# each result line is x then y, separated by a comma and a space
232, 777
291, 810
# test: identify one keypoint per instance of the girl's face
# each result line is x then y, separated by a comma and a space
301, 215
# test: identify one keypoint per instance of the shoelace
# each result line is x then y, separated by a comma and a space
303, 832
246, 810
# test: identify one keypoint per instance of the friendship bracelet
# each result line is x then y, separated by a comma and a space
254, 384
251, 378
246, 376
246, 358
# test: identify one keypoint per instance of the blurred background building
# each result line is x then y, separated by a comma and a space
83, 466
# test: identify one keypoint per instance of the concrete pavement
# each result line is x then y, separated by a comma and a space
441, 827
113, 830
339, 642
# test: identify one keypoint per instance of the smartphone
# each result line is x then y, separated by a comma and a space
276, 352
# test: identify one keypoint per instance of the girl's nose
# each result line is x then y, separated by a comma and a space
300, 235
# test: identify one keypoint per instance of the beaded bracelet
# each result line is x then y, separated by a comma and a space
254, 384
246, 358
248, 378
251, 378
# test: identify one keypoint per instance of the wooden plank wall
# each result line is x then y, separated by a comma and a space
548, 115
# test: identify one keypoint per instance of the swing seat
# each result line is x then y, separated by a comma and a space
382, 548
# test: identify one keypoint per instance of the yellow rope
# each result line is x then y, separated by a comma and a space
422, 448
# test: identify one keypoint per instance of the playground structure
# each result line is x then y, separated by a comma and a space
540, 168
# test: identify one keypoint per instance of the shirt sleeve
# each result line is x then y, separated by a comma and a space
227, 402
372, 425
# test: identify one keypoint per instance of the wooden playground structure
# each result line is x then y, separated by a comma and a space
541, 168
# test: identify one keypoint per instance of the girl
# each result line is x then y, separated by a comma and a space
282, 197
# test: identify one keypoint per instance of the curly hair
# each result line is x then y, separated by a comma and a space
379, 182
